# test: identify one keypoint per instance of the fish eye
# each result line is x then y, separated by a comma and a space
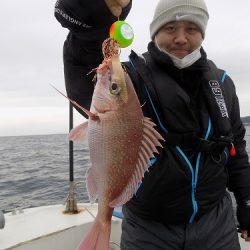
114, 88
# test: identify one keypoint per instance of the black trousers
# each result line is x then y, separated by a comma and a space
215, 230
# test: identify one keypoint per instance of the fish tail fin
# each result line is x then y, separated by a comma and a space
97, 238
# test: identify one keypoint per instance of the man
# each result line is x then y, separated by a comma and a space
182, 202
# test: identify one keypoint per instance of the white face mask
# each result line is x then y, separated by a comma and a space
184, 62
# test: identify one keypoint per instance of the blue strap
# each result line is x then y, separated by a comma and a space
117, 212
224, 77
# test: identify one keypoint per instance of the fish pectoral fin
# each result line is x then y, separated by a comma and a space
150, 140
91, 185
79, 133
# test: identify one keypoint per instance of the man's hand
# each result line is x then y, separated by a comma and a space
116, 6
243, 216
245, 235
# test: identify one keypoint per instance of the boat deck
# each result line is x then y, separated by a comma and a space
50, 228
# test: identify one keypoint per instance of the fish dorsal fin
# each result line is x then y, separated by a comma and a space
150, 140
91, 185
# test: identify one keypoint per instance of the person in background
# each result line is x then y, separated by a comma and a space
182, 202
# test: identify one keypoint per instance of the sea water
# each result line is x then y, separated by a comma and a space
34, 170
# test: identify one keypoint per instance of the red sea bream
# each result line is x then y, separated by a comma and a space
121, 143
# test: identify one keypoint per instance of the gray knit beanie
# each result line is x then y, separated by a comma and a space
166, 11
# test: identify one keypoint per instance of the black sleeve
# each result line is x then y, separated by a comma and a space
238, 166
88, 22
88, 19
80, 58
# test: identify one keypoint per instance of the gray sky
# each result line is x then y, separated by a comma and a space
31, 58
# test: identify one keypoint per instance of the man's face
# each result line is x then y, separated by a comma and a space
179, 38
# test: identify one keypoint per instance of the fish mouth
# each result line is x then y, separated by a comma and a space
101, 104
100, 111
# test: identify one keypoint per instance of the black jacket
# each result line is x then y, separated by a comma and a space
183, 182
89, 20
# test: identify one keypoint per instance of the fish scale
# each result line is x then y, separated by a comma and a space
121, 143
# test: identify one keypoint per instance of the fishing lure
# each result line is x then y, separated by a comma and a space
122, 32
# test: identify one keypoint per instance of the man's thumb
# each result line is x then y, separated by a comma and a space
115, 6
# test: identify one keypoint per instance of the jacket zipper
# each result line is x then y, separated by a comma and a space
194, 173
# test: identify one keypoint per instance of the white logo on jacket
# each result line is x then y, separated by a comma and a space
216, 89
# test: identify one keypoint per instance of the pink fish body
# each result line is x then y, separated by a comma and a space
121, 143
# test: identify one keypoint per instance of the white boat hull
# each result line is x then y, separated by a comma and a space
50, 228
